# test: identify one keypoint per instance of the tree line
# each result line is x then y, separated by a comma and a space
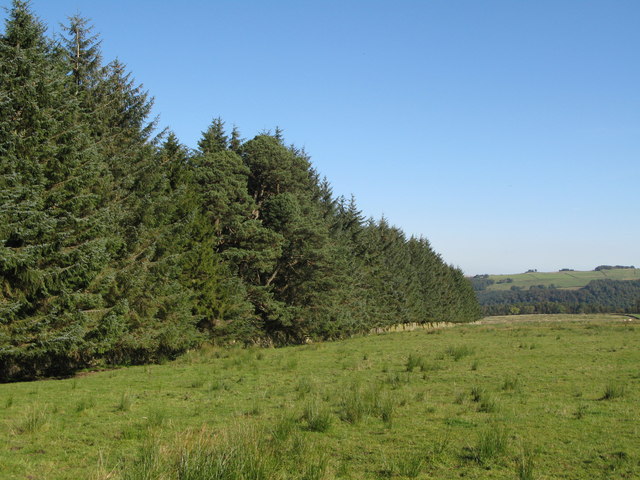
598, 296
121, 246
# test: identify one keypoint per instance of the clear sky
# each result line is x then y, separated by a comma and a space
505, 132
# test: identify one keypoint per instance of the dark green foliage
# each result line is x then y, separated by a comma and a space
80, 271
598, 296
117, 247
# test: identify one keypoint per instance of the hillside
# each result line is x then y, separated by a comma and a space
561, 279
503, 400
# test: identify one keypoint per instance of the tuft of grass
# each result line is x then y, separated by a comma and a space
317, 416
580, 412
396, 380
125, 402
8, 403
353, 408
197, 383
475, 365
245, 452
386, 409
148, 464
228, 456
315, 470
304, 386
477, 393
613, 390
254, 410
85, 404
511, 383
357, 403
34, 420
525, 463
218, 384
414, 361
291, 364
408, 465
460, 397
487, 404
459, 351
156, 417
491, 444
441, 443
283, 428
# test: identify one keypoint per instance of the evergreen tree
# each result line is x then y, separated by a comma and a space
82, 51
214, 139
119, 247
56, 238
235, 142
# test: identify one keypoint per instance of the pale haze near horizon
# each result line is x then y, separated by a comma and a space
506, 133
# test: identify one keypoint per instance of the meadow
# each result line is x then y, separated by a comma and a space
567, 279
530, 397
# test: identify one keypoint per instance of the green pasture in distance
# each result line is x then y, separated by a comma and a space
532, 397
570, 280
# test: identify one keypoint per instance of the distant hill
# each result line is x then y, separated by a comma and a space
564, 279
605, 289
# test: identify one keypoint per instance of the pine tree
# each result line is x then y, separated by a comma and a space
214, 139
235, 142
117, 246
82, 51
56, 239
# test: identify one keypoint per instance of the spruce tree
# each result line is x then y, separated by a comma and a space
56, 239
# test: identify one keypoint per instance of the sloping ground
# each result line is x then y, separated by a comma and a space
555, 398
569, 280
533, 319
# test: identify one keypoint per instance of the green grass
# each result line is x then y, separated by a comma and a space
570, 280
348, 410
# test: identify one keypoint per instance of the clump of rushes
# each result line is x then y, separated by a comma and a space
85, 404
459, 351
386, 408
477, 393
613, 390
283, 428
525, 463
486, 402
353, 407
125, 402
35, 419
317, 416
304, 386
491, 443
511, 383
414, 361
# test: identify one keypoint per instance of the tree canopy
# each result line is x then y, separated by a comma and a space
118, 246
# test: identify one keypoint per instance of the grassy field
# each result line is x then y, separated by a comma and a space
530, 399
571, 280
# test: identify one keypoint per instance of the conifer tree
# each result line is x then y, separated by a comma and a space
117, 246
82, 50
214, 139
56, 240
235, 142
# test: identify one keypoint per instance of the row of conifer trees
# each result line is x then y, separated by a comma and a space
118, 246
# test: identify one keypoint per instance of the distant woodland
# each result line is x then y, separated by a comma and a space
598, 296
122, 246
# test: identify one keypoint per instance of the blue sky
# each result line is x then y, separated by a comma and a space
505, 132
